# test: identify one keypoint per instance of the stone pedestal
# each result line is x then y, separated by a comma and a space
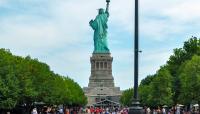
101, 70
101, 82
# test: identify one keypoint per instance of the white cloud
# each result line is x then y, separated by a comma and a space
59, 33
186, 11
124, 76
66, 22
159, 19
122, 14
151, 60
75, 64
30, 35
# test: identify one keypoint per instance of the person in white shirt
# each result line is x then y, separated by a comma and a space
163, 111
34, 111
148, 110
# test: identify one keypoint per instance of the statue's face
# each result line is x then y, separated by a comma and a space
101, 11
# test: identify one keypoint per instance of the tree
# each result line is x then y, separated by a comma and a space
167, 83
9, 90
126, 98
147, 80
161, 93
9, 84
145, 90
24, 81
190, 48
190, 78
158, 90
28, 92
145, 94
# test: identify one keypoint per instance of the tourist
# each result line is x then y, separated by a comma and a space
97, 111
88, 110
67, 111
92, 110
34, 111
163, 110
178, 109
148, 110
159, 111
125, 111
52, 111
44, 110
107, 111
173, 110
60, 111
154, 111
193, 110
101, 111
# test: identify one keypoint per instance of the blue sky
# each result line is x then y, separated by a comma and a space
57, 32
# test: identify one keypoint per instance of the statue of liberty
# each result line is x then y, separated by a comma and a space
99, 25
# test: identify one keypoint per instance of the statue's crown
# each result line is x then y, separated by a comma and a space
101, 10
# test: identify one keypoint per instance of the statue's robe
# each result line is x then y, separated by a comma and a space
99, 26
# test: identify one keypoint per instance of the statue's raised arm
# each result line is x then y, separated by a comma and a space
107, 7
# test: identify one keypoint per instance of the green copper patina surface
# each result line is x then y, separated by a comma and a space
99, 25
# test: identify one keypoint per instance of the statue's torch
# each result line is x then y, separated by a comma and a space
108, 1
107, 6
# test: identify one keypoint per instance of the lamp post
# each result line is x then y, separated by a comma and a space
135, 108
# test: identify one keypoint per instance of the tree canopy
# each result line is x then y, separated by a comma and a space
24, 80
177, 81
158, 91
189, 79
126, 97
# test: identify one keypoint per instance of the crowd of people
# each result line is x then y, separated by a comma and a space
55, 110
172, 110
113, 110
107, 110
80, 110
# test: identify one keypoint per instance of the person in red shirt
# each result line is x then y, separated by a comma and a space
97, 110
91, 110
100, 110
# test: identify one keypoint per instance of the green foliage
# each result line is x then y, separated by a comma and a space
9, 84
144, 94
126, 97
145, 89
9, 91
26, 80
190, 48
176, 82
190, 78
161, 93
158, 90
147, 80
